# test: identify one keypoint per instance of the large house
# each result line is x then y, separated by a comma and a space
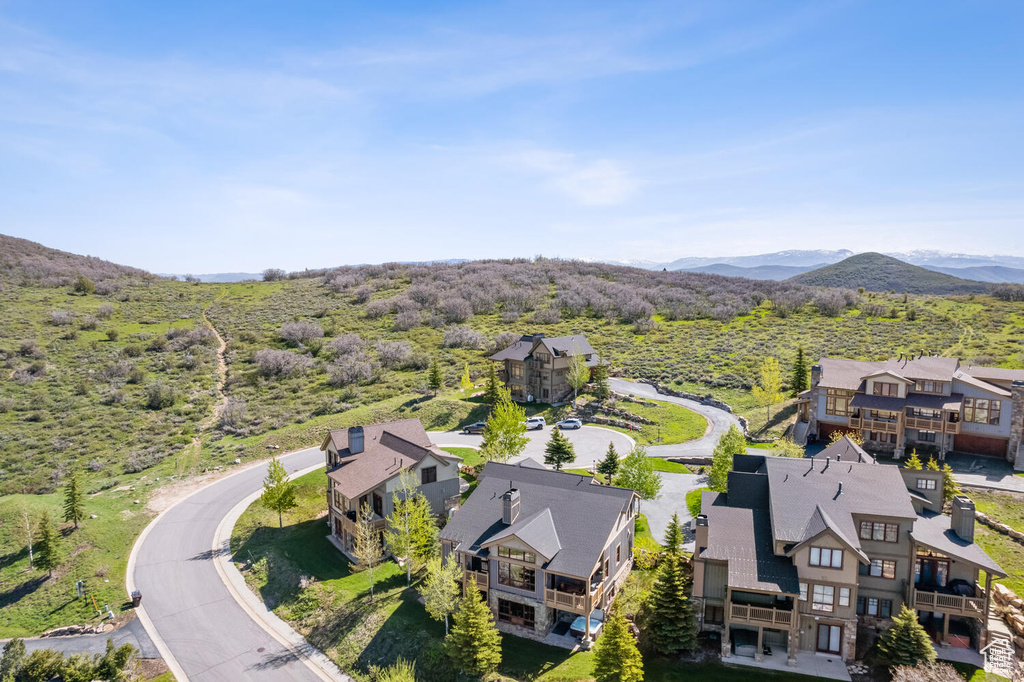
536, 366
364, 464
806, 554
923, 402
543, 546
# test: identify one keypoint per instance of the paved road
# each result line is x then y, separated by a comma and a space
720, 420
672, 501
191, 609
590, 443
132, 633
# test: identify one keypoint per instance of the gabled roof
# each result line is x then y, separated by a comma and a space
994, 373
537, 530
933, 531
888, 373
848, 374
976, 382
568, 515
821, 523
847, 451
558, 346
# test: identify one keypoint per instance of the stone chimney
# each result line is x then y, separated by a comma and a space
510, 506
815, 375
356, 444
962, 522
1015, 451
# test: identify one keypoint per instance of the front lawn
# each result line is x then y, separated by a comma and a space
693, 500
672, 423
644, 537
471, 457
1007, 507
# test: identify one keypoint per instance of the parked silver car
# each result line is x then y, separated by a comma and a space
569, 424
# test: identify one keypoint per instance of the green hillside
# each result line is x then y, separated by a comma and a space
877, 272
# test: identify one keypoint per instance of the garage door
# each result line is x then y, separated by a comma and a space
980, 445
825, 431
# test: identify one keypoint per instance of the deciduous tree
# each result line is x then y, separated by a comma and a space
559, 450
731, 443
278, 492
505, 431
616, 658
411, 532
636, 471
474, 644
578, 373
466, 382
768, 390
367, 547
441, 589
74, 499
609, 466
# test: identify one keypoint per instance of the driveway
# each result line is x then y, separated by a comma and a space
672, 501
192, 613
590, 443
132, 633
719, 420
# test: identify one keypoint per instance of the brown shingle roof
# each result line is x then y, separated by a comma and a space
847, 374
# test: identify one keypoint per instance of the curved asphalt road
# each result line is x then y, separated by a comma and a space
720, 420
589, 442
190, 607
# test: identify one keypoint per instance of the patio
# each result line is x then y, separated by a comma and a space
807, 663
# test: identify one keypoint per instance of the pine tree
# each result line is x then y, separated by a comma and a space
671, 625
466, 383
601, 387
906, 642
493, 393
950, 488
559, 450
441, 589
616, 658
913, 462
932, 465
674, 537
798, 382
731, 443
609, 466
434, 378
47, 546
74, 503
278, 492
474, 644
367, 549
13, 657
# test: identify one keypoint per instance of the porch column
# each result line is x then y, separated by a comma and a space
945, 629
791, 645
988, 603
726, 646
758, 652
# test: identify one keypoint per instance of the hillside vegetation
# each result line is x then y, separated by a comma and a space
877, 272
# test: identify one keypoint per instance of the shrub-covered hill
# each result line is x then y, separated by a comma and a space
877, 272
26, 262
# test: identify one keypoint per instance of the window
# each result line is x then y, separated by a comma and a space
922, 413
520, 555
618, 553
885, 388
514, 575
880, 437
926, 484
824, 598
714, 615
844, 596
885, 608
982, 410
930, 386
826, 558
803, 591
879, 532
428, 475
880, 568
515, 613
926, 436
837, 403
517, 371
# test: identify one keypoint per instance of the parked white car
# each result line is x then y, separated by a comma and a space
535, 423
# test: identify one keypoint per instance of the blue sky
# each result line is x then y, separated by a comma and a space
215, 137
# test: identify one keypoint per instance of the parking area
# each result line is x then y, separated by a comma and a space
590, 443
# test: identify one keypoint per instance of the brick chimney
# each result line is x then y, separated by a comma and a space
356, 443
510, 506
962, 522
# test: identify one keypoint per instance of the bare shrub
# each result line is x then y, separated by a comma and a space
504, 340
60, 318
363, 294
89, 324
301, 332
926, 672
30, 349
105, 311
378, 308
95, 465
274, 362
350, 369
345, 344
234, 413
410, 319
455, 310
274, 274
830, 302
461, 336
548, 316
6, 405
1008, 292
142, 460
393, 353
159, 396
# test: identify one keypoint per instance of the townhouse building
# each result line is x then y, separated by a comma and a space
536, 366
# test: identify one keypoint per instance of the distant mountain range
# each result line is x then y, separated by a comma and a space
878, 272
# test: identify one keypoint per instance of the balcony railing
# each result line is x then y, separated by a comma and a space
479, 577
937, 425
949, 603
577, 603
759, 615
879, 425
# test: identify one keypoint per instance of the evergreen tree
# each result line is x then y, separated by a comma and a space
74, 502
768, 390
367, 548
13, 657
278, 492
609, 466
505, 432
906, 642
799, 382
913, 462
47, 546
400, 671
441, 589
113, 665
559, 450
636, 471
950, 488
674, 536
474, 644
671, 625
601, 387
466, 383
731, 443
493, 393
434, 378
616, 658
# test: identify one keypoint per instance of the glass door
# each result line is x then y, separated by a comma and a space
830, 638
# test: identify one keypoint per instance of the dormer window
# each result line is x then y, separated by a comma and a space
826, 558
886, 389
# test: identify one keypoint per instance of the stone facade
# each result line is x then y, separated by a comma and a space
543, 616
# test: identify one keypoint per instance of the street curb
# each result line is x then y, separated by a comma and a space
313, 658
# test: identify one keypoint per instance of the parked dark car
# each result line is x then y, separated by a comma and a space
477, 427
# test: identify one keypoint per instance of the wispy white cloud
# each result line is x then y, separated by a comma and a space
597, 182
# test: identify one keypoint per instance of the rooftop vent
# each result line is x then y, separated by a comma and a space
356, 443
510, 506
